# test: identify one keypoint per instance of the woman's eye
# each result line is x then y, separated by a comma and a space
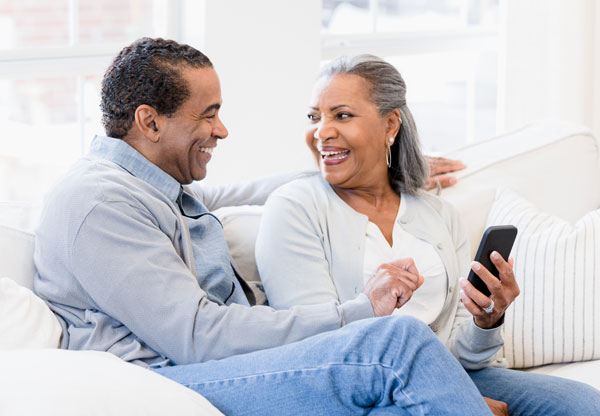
312, 117
343, 116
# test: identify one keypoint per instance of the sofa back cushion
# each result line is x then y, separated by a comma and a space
16, 262
555, 165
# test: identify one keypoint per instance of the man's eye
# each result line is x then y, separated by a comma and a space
312, 117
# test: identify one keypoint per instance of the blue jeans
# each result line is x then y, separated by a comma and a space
391, 365
537, 394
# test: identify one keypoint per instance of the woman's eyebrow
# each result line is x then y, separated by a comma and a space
335, 107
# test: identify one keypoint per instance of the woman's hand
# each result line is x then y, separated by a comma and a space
498, 408
392, 285
439, 169
503, 292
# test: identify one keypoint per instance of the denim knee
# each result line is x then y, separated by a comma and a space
407, 325
401, 332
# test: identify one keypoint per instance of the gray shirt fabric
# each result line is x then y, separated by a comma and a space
305, 222
127, 273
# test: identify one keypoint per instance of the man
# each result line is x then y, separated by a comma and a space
134, 263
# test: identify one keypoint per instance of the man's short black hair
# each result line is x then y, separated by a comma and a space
146, 72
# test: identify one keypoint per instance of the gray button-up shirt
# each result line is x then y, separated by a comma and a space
127, 273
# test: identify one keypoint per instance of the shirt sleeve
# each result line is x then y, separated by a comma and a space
290, 256
474, 347
131, 270
252, 192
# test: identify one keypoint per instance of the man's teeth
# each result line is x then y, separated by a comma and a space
207, 149
331, 155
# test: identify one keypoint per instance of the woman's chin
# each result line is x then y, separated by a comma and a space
334, 178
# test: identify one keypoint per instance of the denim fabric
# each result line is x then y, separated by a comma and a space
392, 365
537, 394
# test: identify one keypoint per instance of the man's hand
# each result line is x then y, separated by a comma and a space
439, 169
392, 285
498, 408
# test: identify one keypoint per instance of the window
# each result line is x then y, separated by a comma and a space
446, 50
52, 57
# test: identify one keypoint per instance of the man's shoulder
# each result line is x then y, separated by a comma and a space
89, 183
90, 179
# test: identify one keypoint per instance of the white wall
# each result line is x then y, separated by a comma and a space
267, 55
551, 65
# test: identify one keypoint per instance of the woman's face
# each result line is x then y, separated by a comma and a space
346, 133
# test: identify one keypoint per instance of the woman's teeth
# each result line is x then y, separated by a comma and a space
334, 155
207, 149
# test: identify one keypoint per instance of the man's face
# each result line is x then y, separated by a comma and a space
188, 138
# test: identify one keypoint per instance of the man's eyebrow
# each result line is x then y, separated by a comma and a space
211, 107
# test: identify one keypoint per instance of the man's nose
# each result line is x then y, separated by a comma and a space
220, 130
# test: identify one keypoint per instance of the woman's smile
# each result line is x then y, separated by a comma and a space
331, 155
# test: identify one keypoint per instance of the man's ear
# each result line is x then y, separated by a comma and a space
147, 121
394, 122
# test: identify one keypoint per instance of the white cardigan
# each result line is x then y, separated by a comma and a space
310, 249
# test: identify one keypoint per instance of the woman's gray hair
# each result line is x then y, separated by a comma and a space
409, 170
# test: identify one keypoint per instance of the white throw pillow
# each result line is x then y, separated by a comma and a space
79, 383
557, 267
25, 320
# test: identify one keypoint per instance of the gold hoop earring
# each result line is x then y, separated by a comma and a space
388, 156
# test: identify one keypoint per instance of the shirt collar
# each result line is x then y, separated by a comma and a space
122, 154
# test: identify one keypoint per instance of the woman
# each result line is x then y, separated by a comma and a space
323, 237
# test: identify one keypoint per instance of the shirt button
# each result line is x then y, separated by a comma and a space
440, 246
402, 221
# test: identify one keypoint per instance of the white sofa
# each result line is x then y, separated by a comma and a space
554, 165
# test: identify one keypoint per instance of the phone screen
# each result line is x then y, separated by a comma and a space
498, 238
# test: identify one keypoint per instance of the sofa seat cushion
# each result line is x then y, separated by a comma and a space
75, 383
584, 371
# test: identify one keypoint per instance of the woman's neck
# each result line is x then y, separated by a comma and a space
375, 197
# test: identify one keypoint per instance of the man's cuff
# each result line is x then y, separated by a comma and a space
355, 309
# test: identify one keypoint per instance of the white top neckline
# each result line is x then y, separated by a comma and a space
427, 301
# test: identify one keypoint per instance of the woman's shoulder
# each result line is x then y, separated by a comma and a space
308, 188
436, 204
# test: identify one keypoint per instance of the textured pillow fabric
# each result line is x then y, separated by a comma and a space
556, 318
25, 320
79, 383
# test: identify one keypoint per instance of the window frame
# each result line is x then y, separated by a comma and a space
415, 42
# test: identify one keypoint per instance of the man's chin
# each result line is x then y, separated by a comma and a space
199, 176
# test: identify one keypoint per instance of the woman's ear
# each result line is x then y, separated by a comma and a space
148, 123
394, 121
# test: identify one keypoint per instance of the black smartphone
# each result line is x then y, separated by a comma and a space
499, 238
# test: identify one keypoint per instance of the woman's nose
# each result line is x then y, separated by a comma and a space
324, 131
